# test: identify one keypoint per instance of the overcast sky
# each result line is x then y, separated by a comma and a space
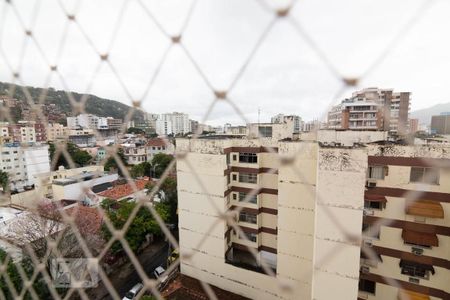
285, 76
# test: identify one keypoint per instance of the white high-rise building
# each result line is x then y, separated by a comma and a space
173, 123
23, 163
163, 127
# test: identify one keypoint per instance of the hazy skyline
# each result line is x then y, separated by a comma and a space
285, 75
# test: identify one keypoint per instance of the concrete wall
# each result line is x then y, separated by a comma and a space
338, 221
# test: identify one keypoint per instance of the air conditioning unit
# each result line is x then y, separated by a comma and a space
368, 243
420, 219
417, 251
414, 280
368, 212
371, 183
364, 269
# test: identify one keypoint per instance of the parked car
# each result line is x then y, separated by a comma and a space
159, 271
173, 257
133, 292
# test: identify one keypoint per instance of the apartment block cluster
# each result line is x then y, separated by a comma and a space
338, 215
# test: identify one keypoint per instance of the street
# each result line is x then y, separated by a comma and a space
149, 263
124, 278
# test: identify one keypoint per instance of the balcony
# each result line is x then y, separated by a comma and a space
242, 258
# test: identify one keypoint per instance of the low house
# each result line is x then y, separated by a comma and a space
158, 145
125, 191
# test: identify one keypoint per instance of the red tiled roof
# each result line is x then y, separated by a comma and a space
88, 219
122, 190
158, 142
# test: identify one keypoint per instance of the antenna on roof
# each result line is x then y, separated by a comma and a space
259, 113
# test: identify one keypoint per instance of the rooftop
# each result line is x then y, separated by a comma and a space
8, 213
158, 142
123, 190
79, 177
88, 219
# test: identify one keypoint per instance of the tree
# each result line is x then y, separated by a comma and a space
170, 199
134, 130
42, 227
82, 158
79, 157
137, 171
4, 181
39, 284
160, 162
142, 225
111, 163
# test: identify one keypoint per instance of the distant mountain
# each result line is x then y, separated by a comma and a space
424, 115
62, 107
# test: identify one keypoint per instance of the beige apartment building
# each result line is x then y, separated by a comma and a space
56, 131
310, 213
372, 109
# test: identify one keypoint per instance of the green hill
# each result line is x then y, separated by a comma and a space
94, 105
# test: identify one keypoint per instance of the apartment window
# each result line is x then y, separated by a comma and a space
367, 286
374, 204
253, 199
234, 196
234, 157
250, 236
234, 177
248, 177
424, 175
265, 131
415, 269
248, 158
376, 172
247, 217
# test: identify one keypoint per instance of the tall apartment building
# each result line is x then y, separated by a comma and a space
309, 214
113, 123
441, 124
173, 123
372, 109
56, 131
281, 118
413, 125
23, 163
163, 127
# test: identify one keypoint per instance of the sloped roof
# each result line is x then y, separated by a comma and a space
123, 190
158, 142
88, 219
